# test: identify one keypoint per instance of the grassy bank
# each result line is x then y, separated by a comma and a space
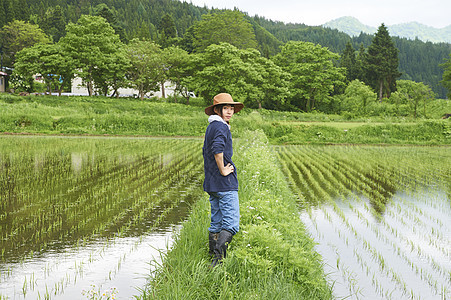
270, 258
153, 117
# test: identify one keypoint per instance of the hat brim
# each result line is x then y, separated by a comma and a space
237, 105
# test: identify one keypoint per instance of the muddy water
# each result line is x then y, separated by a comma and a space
89, 215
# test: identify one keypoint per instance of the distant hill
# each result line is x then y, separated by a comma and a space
412, 30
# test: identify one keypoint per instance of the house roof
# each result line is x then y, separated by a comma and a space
3, 74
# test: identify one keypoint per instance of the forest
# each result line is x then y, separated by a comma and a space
172, 23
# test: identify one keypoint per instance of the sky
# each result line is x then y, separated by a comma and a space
434, 13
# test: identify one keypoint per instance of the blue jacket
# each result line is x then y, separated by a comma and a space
218, 139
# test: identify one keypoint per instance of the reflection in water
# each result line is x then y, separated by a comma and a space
121, 263
404, 254
380, 216
90, 210
382, 191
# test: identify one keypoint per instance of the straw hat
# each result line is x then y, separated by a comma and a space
223, 98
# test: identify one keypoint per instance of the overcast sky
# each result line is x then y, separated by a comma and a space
435, 13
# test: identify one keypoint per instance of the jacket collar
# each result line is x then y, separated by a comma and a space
217, 118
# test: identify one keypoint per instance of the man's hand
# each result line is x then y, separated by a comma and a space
219, 158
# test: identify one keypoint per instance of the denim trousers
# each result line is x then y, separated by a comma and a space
225, 212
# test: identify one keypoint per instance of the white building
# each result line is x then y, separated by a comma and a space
81, 90
3, 81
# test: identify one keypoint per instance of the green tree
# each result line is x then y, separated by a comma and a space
167, 32
246, 75
447, 76
167, 26
145, 71
382, 63
110, 15
93, 45
111, 74
414, 94
143, 32
188, 40
357, 98
177, 68
360, 63
228, 26
17, 35
22, 11
349, 62
314, 75
56, 67
53, 23
3, 6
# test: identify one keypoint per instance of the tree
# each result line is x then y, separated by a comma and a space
56, 67
314, 75
145, 71
414, 94
177, 69
110, 15
17, 35
447, 76
112, 73
359, 64
167, 32
93, 45
357, 98
246, 75
167, 26
53, 23
349, 62
228, 27
22, 11
3, 20
382, 63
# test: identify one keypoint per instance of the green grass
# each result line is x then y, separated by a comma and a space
156, 117
271, 257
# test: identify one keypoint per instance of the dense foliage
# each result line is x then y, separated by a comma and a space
418, 61
174, 23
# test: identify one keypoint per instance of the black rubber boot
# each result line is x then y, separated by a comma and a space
224, 239
212, 238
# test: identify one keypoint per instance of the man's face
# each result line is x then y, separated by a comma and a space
227, 112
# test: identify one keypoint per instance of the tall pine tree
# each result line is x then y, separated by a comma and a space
382, 63
447, 76
348, 61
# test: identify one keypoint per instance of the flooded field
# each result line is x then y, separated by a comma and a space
83, 215
381, 217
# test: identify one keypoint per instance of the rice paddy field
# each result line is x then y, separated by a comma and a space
81, 218
381, 217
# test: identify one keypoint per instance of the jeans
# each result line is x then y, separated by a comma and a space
225, 212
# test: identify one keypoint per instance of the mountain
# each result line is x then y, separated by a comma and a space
411, 30
350, 25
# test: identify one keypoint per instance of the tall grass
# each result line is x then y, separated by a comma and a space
271, 257
156, 117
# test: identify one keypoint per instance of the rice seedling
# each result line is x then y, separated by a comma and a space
388, 190
59, 194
